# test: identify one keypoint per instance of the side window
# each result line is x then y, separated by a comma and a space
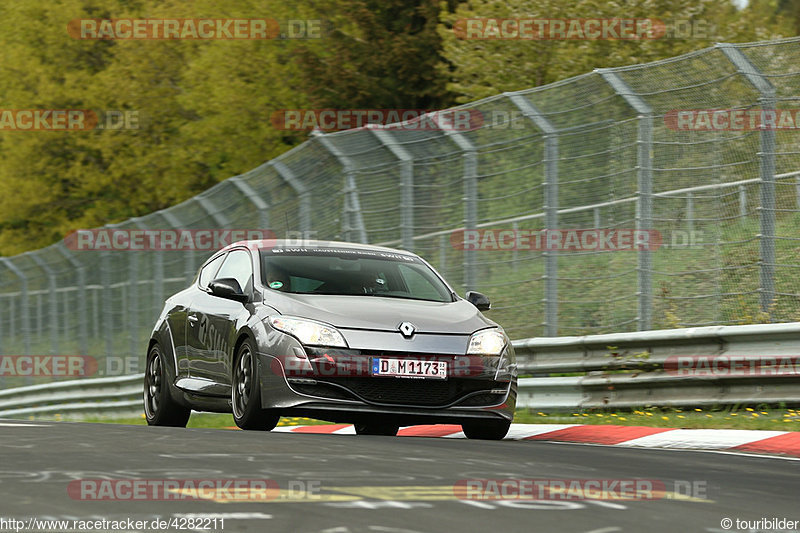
238, 266
207, 274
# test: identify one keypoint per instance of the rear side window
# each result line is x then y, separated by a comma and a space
207, 274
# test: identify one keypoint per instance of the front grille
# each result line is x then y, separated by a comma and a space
400, 391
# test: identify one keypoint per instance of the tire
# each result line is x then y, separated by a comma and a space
486, 430
159, 407
246, 393
387, 430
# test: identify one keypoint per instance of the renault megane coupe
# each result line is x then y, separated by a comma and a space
334, 331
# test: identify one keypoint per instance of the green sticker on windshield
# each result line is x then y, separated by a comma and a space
275, 284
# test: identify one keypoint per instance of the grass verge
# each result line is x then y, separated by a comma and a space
778, 418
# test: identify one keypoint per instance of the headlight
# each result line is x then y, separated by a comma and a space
308, 332
487, 342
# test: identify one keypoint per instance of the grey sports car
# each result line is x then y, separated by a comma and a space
335, 331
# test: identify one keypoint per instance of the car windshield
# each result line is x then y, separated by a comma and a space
351, 272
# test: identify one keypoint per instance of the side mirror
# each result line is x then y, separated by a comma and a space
481, 301
229, 289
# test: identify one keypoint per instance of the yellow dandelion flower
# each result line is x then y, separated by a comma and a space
664, 418
681, 416
749, 409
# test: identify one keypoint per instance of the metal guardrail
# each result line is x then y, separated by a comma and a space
617, 370
620, 370
116, 396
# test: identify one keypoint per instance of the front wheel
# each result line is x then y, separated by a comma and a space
246, 393
486, 430
159, 407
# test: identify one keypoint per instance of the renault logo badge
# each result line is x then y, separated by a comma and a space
407, 329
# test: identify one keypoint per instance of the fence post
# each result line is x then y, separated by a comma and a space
766, 174
52, 304
550, 208
353, 220
406, 186
470, 179
743, 201
443, 255
25, 326
83, 333
644, 201
259, 203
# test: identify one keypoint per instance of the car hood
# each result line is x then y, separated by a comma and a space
382, 314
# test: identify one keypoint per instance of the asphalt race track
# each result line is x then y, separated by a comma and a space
341, 483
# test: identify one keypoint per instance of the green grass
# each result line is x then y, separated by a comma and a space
746, 418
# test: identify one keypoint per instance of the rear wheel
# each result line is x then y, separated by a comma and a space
486, 430
387, 430
159, 407
246, 393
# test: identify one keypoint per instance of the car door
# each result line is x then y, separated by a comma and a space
215, 324
191, 333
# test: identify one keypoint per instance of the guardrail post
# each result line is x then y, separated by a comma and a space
83, 333
470, 196
52, 304
766, 173
644, 204
24, 319
406, 186
550, 208
353, 227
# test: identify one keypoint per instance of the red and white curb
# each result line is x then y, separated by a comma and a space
755, 441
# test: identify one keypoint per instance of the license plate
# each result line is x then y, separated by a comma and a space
409, 368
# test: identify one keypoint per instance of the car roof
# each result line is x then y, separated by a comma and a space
305, 243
